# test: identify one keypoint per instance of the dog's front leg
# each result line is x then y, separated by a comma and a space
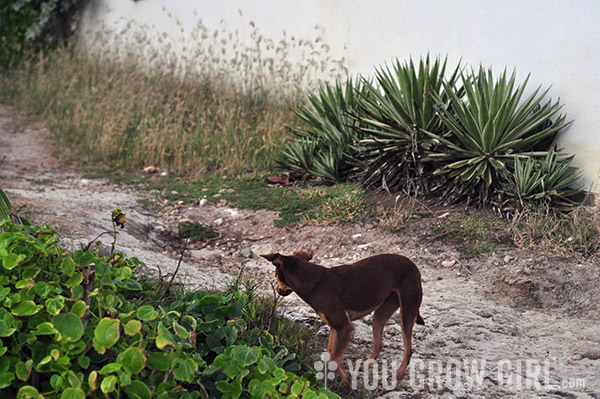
342, 336
332, 340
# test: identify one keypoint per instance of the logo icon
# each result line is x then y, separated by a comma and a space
325, 368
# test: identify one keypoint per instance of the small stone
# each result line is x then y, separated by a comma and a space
507, 259
448, 263
206, 253
163, 174
247, 253
180, 202
203, 202
84, 182
356, 236
174, 192
218, 222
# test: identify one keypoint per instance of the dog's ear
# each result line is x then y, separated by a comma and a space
303, 255
274, 258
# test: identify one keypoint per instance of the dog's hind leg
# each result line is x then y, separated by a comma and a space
380, 317
407, 321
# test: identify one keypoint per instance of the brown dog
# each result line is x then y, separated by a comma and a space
381, 283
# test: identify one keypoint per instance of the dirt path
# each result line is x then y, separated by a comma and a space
483, 338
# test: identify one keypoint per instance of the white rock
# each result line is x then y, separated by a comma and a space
448, 263
203, 202
356, 236
218, 222
507, 259
206, 253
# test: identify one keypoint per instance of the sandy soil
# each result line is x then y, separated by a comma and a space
511, 324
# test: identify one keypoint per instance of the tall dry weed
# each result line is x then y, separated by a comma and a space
139, 102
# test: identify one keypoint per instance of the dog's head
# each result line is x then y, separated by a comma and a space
282, 264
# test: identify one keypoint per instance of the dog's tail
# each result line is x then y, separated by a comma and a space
420, 320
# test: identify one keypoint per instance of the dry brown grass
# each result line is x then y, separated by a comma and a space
138, 101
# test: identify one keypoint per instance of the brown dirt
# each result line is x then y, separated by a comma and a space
507, 305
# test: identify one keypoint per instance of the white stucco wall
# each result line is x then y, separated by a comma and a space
554, 40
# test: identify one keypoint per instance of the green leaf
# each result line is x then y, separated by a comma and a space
159, 361
110, 368
107, 332
185, 370
68, 266
23, 369
28, 392
4, 291
132, 327
297, 388
5, 331
133, 360
246, 356
24, 284
108, 384
93, 380
56, 381
69, 325
6, 379
55, 304
45, 328
74, 280
73, 393
79, 308
26, 308
164, 337
12, 260
147, 313
83, 362
138, 390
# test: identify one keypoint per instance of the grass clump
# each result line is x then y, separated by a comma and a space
196, 231
320, 204
576, 233
473, 235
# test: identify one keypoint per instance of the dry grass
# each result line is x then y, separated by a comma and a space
116, 114
394, 219
206, 103
576, 233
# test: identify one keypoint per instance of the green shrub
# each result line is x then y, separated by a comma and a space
541, 184
491, 124
325, 148
79, 325
396, 113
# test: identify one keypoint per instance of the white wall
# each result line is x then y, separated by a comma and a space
554, 40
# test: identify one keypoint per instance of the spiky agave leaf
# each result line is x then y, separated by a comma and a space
395, 113
488, 125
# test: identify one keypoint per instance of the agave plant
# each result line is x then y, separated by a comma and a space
4, 206
535, 182
326, 147
491, 123
395, 114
